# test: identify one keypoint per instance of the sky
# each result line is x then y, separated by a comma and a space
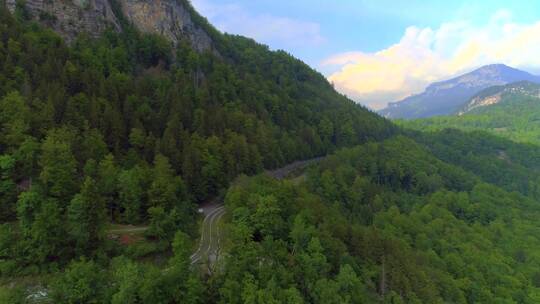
381, 51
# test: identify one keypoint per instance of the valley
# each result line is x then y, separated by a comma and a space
511, 111
147, 156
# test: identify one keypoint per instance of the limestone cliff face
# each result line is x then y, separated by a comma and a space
169, 18
166, 17
501, 94
70, 17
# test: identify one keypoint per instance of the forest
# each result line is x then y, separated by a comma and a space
126, 129
383, 222
515, 117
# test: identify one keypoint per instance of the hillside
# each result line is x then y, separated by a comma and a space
385, 222
137, 95
129, 173
501, 94
125, 126
511, 111
447, 97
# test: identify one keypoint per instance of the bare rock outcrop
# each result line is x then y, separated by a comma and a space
170, 18
71, 17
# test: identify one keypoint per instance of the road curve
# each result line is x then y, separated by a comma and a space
210, 242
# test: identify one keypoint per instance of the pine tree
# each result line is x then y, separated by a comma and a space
87, 217
8, 188
59, 169
130, 194
107, 184
14, 121
165, 188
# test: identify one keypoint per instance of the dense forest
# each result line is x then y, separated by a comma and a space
515, 117
382, 222
126, 129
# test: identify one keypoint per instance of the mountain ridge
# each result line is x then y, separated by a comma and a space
162, 94
510, 111
498, 94
447, 97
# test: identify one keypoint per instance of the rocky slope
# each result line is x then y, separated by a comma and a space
498, 94
169, 18
447, 97
173, 19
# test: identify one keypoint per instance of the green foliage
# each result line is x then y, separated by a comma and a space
14, 120
42, 227
130, 195
161, 224
58, 168
152, 49
107, 173
8, 188
167, 190
118, 129
27, 206
515, 117
100, 107
127, 275
82, 282
512, 166
86, 217
182, 251
383, 222
12, 295
47, 238
125, 129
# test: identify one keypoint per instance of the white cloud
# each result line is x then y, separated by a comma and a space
274, 30
425, 55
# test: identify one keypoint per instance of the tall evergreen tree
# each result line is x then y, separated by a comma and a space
58, 169
87, 217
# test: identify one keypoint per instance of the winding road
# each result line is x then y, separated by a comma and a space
210, 242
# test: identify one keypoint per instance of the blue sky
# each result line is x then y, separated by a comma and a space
382, 51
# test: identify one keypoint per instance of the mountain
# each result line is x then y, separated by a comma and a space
113, 142
511, 111
134, 112
447, 97
501, 94
160, 71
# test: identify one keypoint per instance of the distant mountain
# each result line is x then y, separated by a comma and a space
500, 94
448, 97
511, 111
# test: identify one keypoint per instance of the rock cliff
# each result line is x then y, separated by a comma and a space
501, 94
170, 18
70, 17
